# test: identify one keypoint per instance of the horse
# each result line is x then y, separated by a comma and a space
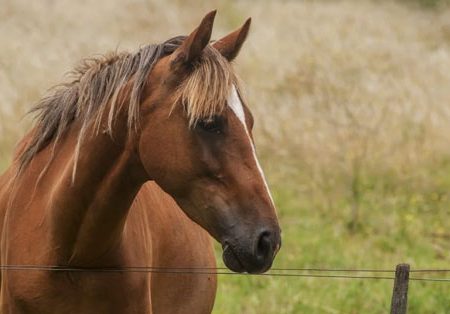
141, 159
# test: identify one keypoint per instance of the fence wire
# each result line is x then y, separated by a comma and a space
275, 272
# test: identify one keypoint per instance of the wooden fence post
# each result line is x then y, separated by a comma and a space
399, 302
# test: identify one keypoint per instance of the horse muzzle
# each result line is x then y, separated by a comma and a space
252, 254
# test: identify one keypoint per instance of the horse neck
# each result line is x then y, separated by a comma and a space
88, 212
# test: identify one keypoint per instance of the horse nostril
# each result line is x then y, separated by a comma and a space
264, 245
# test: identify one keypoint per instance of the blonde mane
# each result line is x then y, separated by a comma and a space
93, 91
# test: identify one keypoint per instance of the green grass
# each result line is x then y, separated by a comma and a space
428, 3
398, 223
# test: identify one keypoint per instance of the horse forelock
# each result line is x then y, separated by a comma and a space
205, 91
92, 93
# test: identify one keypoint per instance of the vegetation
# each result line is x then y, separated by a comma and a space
351, 101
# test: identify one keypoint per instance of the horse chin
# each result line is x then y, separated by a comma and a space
231, 260
234, 263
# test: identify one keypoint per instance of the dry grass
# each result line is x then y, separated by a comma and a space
352, 105
353, 81
335, 83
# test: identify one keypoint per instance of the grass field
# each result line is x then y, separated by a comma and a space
352, 107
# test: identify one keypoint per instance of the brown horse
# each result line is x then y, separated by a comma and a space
132, 164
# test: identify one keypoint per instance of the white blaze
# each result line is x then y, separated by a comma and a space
236, 106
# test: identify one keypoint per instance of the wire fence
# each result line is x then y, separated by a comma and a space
400, 276
336, 273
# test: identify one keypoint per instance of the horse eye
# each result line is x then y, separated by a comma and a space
211, 125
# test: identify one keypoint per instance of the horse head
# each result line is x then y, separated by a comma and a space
196, 143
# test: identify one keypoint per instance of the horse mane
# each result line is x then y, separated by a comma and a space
94, 88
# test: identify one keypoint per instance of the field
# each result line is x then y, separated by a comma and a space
352, 107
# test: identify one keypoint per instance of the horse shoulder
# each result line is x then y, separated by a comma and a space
176, 242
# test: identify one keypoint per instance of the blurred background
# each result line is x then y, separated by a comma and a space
352, 107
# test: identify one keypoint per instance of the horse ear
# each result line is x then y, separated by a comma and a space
230, 45
192, 47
